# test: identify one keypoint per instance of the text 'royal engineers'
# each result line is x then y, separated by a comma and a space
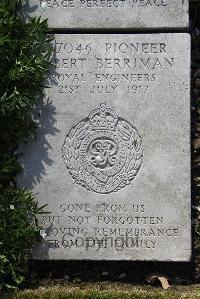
112, 155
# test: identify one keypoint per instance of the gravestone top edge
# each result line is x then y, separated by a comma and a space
118, 14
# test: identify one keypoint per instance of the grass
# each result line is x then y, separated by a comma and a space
104, 291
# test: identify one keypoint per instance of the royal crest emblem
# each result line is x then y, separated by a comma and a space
103, 152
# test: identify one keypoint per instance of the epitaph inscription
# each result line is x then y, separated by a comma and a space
112, 154
135, 14
103, 153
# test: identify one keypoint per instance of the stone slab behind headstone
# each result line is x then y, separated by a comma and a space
135, 14
112, 156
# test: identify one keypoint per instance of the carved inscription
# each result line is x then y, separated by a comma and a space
134, 65
103, 153
132, 14
103, 226
69, 4
113, 141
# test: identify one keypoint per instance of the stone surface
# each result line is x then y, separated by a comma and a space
136, 14
112, 156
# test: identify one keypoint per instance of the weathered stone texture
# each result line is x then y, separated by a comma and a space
135, 14
112, 156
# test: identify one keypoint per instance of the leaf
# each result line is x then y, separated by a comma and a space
25, 59
196, 208
164, 282
124, 132
154, 279
9, 286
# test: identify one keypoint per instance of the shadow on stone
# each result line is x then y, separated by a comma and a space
33, 172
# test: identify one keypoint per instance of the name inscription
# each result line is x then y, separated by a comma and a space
135, 66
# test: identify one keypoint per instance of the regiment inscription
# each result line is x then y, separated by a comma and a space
112, 155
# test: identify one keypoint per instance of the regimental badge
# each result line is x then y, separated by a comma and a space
103, 152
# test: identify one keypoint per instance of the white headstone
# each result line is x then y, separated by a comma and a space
135, 14
112, 156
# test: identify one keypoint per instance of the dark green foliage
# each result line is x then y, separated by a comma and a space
195, 34
25, 51
18, 231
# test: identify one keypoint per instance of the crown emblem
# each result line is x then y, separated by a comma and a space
103, 152
103, 118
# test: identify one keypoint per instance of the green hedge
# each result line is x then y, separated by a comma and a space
25, 52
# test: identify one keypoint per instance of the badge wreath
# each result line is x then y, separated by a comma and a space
103, 152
